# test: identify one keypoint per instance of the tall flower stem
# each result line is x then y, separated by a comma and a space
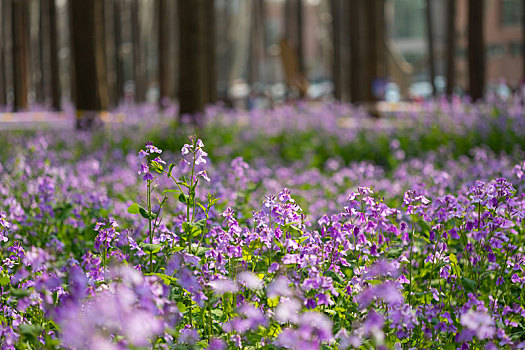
150, 230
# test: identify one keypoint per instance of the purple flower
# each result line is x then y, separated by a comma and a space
288, 311
250, 280
480, 323
222, 286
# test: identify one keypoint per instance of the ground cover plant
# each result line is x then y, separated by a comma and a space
106, 245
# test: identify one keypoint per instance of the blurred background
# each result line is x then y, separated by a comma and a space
99, 54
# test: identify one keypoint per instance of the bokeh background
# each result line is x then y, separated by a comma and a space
99, 54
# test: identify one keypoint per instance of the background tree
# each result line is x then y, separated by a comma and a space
3, 55
139, 54
430, 42
450, 46
357, 65
54, 74
476, 50
336, 45
20, 31
165, 59
194, 79
89, 86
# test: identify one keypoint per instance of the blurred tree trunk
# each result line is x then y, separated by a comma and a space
294, 30
210, 47
194, 82
119, 62
300, 47
89, 87
164, 57
336, 44
256, 42
430, 41
367, 50
110, 52
51, 52
356, 62
375, 43
3, 54
451, 47
20, 32
476, 50
139, 63
39, 44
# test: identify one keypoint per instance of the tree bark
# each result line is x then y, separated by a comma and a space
356, 64
476, 51
3, 78
53, 56
20, 33
300, 46
210, 47
89, 85
451, 47
523, 41
139, 65
193, 83
119, 62
430, 41
164, 37
256, 42
336, 44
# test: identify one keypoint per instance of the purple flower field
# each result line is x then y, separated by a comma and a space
302, 227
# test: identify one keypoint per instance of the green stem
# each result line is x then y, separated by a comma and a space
150, 230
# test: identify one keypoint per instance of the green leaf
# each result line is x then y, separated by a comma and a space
468, 283
453, 258
30, 330
201, 223
169, 191
273, 302
153, 248
183, 198
4, 280
182, 308
20, 293
202, 207
157, 166
134, 209
171, 168
145, 214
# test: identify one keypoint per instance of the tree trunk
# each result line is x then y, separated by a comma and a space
119, 62
139, 65
336, 44
3, 79
193, 83
210, 47
300, 46
53, 55
256, 42
89, 85
39, 44
20, 34
356, 66
294, 30
430, 41
165, 71
523, 41
476, 51
451, 47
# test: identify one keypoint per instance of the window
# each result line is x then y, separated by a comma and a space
409, 20
511, 12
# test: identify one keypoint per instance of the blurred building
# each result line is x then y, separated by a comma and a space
503, 42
